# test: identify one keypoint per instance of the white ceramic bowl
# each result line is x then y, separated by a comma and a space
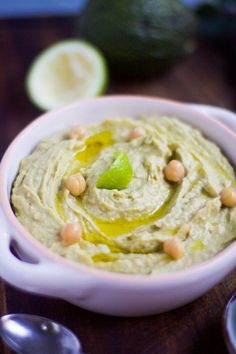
40, 271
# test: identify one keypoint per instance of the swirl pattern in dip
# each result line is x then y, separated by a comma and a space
125, 230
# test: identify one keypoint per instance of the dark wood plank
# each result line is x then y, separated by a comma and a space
3, 311
194, 328
200, 78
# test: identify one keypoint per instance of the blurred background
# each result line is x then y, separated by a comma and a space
181, 49
15, 8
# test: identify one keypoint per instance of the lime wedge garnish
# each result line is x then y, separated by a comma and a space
64, 72
118, 175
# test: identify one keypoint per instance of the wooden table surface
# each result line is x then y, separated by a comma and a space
202, 77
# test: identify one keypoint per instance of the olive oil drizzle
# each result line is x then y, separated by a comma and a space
108, 229
93, 146
89, 151
123, 226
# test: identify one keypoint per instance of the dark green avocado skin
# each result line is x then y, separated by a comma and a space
138, 37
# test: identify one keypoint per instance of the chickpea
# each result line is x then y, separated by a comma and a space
71, 233
76, 132
76, 184
228, 197
174, 171
174, 247
136, 133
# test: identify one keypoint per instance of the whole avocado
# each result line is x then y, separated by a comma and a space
138, 37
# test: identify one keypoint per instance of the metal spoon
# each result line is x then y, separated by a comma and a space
229, 324
27, 334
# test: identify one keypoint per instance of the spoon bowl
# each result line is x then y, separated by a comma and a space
27, 334
229, 324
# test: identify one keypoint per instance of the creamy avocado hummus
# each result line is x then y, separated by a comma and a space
124, 230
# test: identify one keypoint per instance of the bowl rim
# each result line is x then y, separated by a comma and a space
114, 277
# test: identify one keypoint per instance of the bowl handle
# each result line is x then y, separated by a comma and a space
44, 277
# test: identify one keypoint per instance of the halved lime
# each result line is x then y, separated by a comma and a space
64, 72
118, 175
